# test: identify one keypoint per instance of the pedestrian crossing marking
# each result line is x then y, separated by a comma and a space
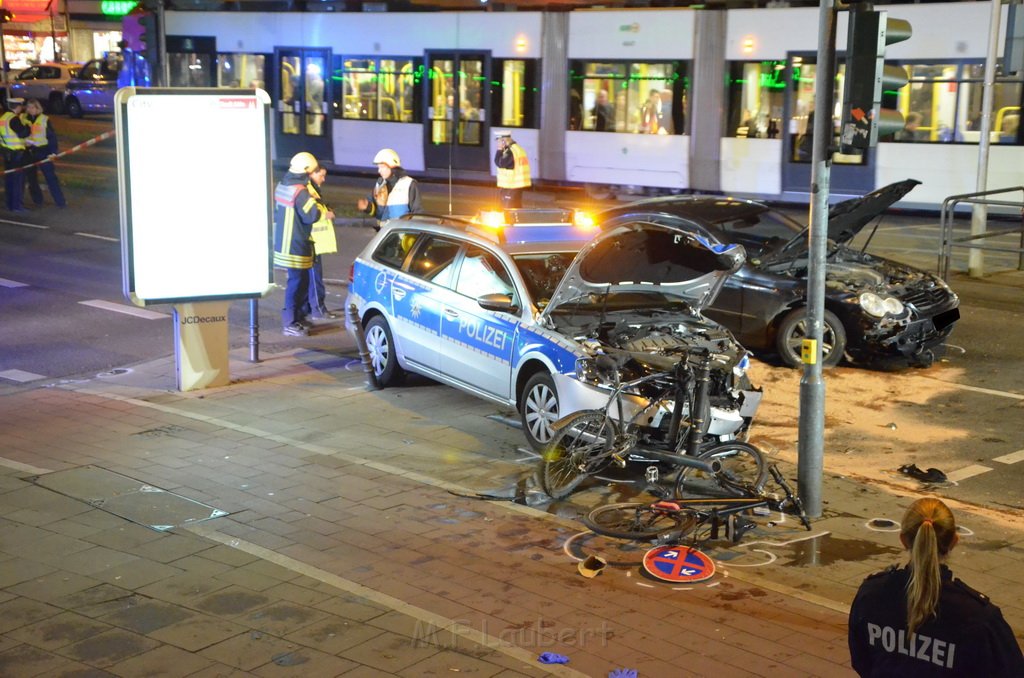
123, 308
21, 376
967, 472
1011, 458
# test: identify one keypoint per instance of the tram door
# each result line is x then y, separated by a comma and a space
456, 133
302, 102
851, 174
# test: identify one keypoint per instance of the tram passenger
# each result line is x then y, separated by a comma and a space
920, 621
513, 170
604, 113
655, 116
395, 193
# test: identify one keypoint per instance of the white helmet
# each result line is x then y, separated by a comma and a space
303, 163
388, 157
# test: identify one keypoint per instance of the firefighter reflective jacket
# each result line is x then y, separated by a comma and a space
398, 195
295, 212
516, 176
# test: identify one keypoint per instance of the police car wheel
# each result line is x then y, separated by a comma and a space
538, 409
381, 345
793, 330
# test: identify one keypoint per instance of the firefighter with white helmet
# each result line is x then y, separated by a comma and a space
513, 170
395, 193
295, 212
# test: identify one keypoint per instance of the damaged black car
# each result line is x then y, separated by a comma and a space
877, 311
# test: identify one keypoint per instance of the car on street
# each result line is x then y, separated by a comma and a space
45, 82
877, 311
515, 309
93, 89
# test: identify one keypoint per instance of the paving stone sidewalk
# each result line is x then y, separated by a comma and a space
345, 547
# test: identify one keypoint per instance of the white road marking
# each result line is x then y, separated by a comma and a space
978, 389
4, 282
21, 375
124, 308
967, 472
1011, 458
97, 237
26, 225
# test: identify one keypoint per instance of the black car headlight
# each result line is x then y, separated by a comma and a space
878, 306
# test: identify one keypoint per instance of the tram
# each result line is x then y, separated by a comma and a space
619, 101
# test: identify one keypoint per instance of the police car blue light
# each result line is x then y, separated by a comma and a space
506, 311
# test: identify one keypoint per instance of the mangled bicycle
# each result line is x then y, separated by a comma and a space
673, 521
633, 427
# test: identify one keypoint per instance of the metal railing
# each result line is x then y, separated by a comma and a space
970, 241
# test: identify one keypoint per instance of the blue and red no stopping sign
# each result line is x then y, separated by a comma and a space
679, 564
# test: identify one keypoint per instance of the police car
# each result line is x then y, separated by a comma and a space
510, 306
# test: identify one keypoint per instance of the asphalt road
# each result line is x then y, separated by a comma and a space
63, 314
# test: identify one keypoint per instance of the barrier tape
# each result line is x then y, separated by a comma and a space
73, 149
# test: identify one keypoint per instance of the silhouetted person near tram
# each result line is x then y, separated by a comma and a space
41, 146
920, 621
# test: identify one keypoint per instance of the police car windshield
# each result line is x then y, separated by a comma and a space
542, 272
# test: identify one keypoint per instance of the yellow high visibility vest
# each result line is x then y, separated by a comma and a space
7, 136
518, 176
37, 131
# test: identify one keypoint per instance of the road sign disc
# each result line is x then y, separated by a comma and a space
679, 564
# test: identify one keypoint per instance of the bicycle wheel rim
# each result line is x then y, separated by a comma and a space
578, 450
638, 521
743, 473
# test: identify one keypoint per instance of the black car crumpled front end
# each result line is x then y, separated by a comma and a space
904, 313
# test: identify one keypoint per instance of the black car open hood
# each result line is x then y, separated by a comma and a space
847, 218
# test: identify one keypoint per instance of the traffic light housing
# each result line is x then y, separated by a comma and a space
867, 77
150, 39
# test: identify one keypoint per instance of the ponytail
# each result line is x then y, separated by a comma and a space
929, 531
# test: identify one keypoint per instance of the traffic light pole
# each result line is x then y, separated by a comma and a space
810, 449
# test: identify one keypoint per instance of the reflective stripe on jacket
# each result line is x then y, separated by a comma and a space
8, 137
37, 131
519, 175
295, 210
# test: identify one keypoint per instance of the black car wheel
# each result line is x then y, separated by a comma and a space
793, 330
381, 345
538, 409
73, 108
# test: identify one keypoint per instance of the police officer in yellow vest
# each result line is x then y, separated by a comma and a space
12, 140
513, 170
42, 143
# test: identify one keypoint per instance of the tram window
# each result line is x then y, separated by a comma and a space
757, 92
514, 93
801, 122
377, 88
943, 103
632, 97
241, 70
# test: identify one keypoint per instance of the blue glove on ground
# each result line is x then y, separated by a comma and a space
622, 673
552, 658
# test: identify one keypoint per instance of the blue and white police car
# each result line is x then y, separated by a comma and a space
509, 306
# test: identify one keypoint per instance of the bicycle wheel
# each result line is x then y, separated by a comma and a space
639, 521
580, 448
743, 473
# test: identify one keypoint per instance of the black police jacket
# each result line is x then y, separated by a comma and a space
967, 637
